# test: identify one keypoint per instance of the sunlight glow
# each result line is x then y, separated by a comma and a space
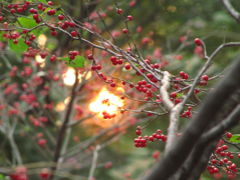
39, 59
106, 102
42, 39
69, 76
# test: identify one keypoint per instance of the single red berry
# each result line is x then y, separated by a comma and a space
130, 18
27, 42
40, 6
13, 11
113, 85
20, 9
98, 67
42, 142
125, 31
35, 16
173, 95
53, 58
228, 135
108, 165
138, 132
27, 2
15, 41
198, 42
50, 3
1, 18
61, 17
72, 57
186, 76
25, 31
74, 33
33, 11
156, 154
119, 11
205, 77
90, 56
127, 66
45, 174
51, 12
182, 74
54, 33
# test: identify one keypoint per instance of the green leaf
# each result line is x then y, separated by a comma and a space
235, 138
64, 58
2, 177
27, 22
20, 47
78, 62
1, 36
179, 95
27, 128
59, 12
43, 1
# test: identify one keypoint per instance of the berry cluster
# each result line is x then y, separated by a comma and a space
141, 141
222, 159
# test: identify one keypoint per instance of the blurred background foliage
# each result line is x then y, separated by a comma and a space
164, 22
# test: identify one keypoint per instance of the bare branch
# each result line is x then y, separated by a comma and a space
208, 112
231, 10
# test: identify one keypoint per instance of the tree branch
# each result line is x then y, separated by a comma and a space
231, 10
61, 135
207, 114
211, 136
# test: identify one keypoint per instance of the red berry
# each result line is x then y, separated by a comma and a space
45, 174
27, 42
13, 11
156, 154
228, 135
19, 10
15, 41
35, 16
33, 11
27, 2
61, 17
204, 77
125, 31
42, 142
130, 18
198, 42
90, 56
113, 58
182, 74
74, 33
54, 33
119, 11
138, 132
51, 12
173, 95
127, 66
50, 3
40, 6
53, 58
98, 67
186, 76
1, 18
108, 165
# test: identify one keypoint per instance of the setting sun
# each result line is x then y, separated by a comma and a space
106, 102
